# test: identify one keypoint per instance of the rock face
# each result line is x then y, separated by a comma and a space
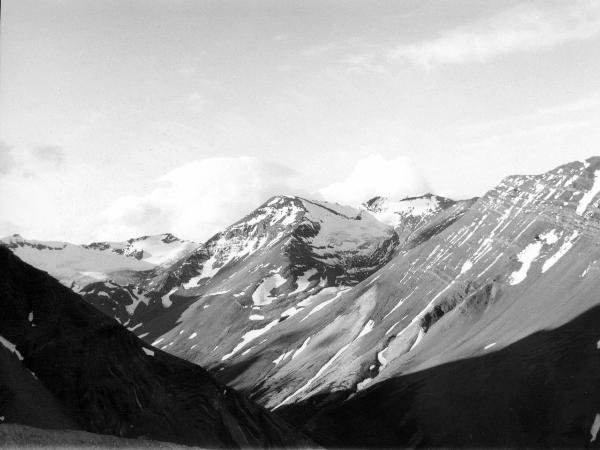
104, 379
344, 244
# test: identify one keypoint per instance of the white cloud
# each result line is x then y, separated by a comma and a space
374, 175
52, 154
198, 199
7, 160
525, 27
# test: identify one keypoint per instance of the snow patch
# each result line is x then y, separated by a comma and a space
366, 329
262, 295
256, 317
466, 267
419, 339
148, 351
320, 306
290, 312
166, 301
550, 237
373, 280
282, 357
561, 252
11, 347
302, 348
587, 198
249, 337
135, 327
391, 328
363, 384
218, 292
595, 427
489, 346
303, 281
381, 357
526, 257
306, 385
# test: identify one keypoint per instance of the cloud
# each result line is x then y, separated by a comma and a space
198, 199
187, 71
197, 102
52, 154
550, 120
523, 28
7, 161
373, 176
8, 228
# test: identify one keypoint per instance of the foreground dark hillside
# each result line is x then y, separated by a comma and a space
541, 391
88, 372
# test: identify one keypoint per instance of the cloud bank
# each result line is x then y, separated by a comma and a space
525, 27
374, 175
198, 199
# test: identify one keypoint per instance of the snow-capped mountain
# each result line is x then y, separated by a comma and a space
276, 272
78, 265
260, 266
115, 277
158, 250
498, 274
487, 279
308, 306
342, 243
415, 219
410, 209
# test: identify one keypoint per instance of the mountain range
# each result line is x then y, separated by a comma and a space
422, 321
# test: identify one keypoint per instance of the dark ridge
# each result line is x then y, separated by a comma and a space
106, 382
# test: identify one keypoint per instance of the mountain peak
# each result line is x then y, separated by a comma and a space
393, 212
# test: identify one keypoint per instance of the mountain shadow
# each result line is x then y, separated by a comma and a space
540, 392
89, 372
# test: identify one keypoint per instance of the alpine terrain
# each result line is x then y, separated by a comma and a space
422, 321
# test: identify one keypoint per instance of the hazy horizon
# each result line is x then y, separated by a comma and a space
128, 118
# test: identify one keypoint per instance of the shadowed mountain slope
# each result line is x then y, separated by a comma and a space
541, 391
109, 381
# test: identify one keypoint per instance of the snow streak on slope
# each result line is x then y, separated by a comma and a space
303, 278
589, 195
452, 284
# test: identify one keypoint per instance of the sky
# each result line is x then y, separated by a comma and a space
125, 118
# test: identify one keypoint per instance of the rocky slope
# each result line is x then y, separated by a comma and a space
230, 305
102, 378
539, 392
522, 259
307, 303
266, 286
416, 219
